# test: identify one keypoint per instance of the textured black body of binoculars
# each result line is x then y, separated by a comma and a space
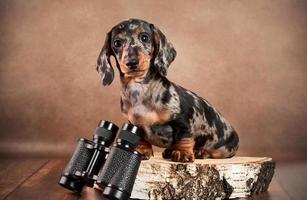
112, 167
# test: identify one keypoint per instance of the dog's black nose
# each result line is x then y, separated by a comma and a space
132, 64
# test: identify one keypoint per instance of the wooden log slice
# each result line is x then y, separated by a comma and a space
204, 179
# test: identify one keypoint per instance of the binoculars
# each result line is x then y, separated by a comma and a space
113, 169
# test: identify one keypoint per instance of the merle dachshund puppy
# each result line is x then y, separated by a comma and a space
172, 117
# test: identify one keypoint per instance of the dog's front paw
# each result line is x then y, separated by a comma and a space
182, 156
147, 154
145, 149
167, 153
183, 150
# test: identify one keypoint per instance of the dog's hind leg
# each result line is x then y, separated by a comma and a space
201, 153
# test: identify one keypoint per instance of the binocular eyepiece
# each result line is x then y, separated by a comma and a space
113, 169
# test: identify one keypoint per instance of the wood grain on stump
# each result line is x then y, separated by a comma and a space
204, 179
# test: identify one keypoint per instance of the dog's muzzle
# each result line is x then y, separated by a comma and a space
132, 64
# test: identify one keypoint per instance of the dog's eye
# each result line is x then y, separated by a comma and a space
117, 43
144, 37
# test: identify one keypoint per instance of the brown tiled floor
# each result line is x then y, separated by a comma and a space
37, 179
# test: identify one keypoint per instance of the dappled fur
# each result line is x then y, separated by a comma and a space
172, 117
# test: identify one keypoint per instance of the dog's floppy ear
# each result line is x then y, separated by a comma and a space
164, 52
104, 66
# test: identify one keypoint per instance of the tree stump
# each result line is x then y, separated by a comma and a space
204, 179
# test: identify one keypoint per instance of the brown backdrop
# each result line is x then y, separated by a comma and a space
248, 58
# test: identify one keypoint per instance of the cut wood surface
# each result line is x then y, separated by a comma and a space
204, 179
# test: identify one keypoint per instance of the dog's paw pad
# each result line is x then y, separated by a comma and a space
167, 153
182, 156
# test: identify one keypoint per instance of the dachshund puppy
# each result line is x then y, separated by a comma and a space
171, 116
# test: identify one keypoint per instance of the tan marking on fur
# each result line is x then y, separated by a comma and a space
216, 154
183, 150
138, 31
119, 36
205, 153
144, 61
144, 148
140, 74
149, 118
185, 144
201, 153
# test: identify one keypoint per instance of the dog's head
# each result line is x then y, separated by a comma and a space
137, 47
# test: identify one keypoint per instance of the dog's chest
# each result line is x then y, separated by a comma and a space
139, 106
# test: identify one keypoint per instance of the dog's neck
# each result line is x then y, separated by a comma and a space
137, 89
145, 79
